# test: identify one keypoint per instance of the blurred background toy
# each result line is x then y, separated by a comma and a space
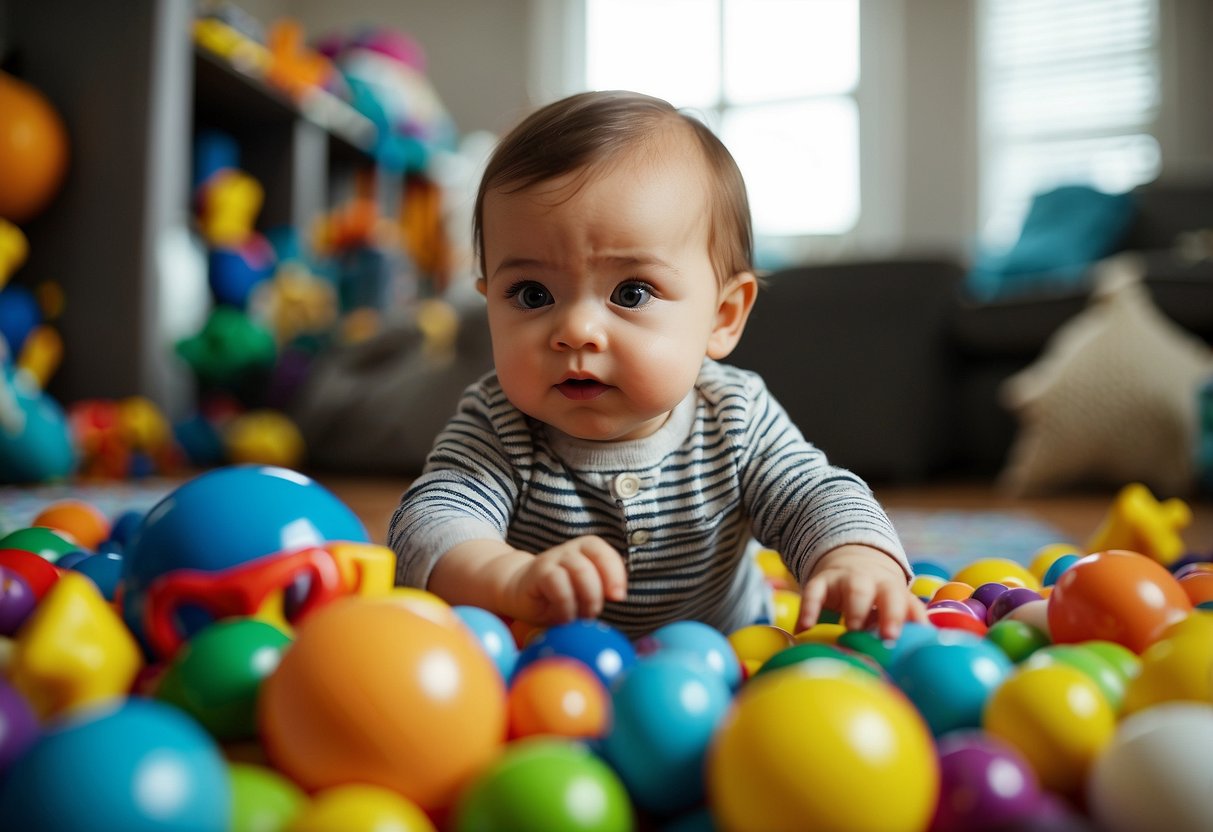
33, 150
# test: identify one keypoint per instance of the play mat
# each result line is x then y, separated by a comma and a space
950, 538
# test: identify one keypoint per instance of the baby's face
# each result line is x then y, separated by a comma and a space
601, 296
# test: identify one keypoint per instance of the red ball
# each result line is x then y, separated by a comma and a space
1117, 596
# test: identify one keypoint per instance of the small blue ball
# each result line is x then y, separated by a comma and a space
598, 646
494, 636
1057, 567
105, 570
930, 567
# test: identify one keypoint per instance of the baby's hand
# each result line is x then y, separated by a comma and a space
865, 585
572, 580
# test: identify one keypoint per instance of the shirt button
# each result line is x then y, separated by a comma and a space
626, 485
639, 537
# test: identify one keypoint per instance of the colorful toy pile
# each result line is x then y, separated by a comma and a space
248, 665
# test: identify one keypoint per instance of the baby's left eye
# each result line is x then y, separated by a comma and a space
632, 294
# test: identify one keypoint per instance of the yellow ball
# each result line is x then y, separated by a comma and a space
996, 571
787, 609
821, 634
361, 808
925, 586
1177, 667
1057, 717
806, 747
758, 642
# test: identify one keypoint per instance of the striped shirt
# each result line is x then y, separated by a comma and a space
681, 505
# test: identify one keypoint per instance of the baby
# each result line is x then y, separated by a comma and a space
609, 467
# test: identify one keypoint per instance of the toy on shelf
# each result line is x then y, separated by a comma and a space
123, 438
33, 150
1137, 521
293, 67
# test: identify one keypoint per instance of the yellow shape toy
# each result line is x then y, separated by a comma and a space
74, 650
1140, 523
14, 248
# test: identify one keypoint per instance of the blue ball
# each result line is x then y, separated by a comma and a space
138, 766
705, 643
228, 517
19, 315
105, 570
598, 646
665, 711
950, 680
1057, 567
123, 527
930, 567
70, 559
494, 636
235, 272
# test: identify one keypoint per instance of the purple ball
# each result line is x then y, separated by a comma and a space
17, 601
979, 609
987, 593
984, 783
18, 725
1009, 600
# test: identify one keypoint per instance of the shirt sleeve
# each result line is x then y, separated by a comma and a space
799, 504
467, 491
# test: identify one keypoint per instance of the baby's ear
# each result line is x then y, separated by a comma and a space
732, 312
482, 286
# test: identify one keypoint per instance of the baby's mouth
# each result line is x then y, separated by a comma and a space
581, 388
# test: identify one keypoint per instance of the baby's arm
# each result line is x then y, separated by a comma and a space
572, 580
865, 585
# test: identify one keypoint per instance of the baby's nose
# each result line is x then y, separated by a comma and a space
579, 326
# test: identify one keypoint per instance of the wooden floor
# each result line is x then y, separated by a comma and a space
1078, 515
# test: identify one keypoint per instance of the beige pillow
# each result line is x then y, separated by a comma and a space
1112, 399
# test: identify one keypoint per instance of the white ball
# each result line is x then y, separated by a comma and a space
1157, 772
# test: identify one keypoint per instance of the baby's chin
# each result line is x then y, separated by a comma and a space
612, 432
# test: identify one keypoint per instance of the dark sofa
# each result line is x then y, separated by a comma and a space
894, 371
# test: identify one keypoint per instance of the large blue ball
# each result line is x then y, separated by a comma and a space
705, 643
950, 680
139, 766
227, 517
665, 711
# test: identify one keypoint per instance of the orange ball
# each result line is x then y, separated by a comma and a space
1118, 596
33, 150
558, 696
87, 525
375, 693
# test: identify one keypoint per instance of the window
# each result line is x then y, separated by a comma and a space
1069, 94
776, 79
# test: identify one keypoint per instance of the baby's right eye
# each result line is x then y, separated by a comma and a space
529, 294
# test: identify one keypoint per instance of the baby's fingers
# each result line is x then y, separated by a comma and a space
812, 598
612, 573
555, 586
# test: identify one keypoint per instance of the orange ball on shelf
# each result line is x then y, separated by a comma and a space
33, 150
373, 693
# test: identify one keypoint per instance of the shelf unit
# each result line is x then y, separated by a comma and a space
132, 88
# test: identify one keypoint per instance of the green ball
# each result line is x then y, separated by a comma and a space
545, 783
262, 799
216, 676
1106, 677
1017, 639
1123, 660
867, 643
45, 543
811, 650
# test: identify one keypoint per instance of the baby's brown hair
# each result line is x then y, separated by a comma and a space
588, 128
